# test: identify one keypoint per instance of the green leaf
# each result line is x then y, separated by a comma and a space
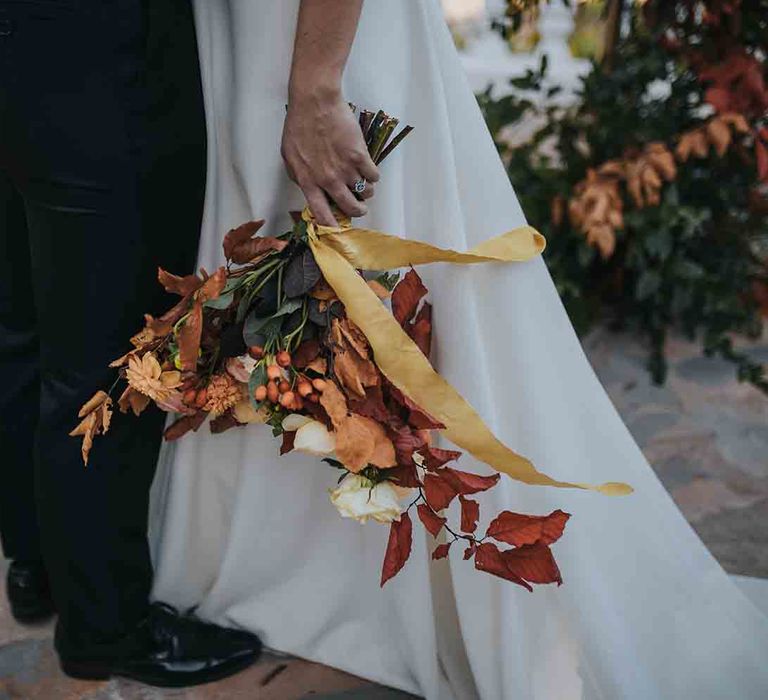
301, 274
224, 301
288, 307
647, 285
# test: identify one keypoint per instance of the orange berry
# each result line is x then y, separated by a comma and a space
283, 386
273, 372
272, 393
314, 398
256, 352
287, 399
189, 397
260, 393
319, 384
304, 388
283, 358
202, 398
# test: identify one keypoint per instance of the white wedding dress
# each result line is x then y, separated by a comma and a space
645, 611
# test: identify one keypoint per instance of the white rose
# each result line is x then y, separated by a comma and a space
311, 435
356, 497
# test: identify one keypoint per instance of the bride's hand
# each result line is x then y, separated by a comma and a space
325, 153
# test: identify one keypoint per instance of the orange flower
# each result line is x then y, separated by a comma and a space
147, 377
224, 392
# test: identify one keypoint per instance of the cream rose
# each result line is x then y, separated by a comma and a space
357, 497
311, 435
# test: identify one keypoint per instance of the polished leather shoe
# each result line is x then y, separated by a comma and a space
170, 650
28, 592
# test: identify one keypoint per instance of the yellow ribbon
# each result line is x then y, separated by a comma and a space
339, 251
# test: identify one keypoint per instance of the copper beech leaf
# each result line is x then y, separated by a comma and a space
213, 285
488, 558
421, 329
406, 297
435, 457
518, 529
439, 491
398, 547
441, 551
431, 521
468, 483
470, 514
289, 436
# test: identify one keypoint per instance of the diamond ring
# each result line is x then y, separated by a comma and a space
358, 187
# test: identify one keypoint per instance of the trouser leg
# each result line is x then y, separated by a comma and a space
104, 137
19, 381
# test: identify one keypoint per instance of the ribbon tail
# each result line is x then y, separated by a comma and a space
373, 250
401, 361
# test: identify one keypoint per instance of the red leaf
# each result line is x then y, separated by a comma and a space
470, 514
519, 530
467, 483
488, 558
438, 490
288, 437
762, 160
223, 423
441, 551
189, 337
174, 284
417, 417
404, 475
371, 406
421, 329
398, 547
182, 426
305, 353
470, 550
406, 442
534, 563
240, 247
434, 523
406, 297
434, 457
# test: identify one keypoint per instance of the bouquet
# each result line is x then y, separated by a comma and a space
291, 334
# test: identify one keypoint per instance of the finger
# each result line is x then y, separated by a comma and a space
346, 201
368, 168
318, 205
367, 193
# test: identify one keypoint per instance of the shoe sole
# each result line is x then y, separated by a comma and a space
101, 672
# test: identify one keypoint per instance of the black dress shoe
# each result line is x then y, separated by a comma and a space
170, 650
28, 592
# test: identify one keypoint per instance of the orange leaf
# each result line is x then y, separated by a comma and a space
406, 296
189, 337
174, 284
470, 514
96, 415
241, 247
213, 286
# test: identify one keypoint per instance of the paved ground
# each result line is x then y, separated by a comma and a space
706, 435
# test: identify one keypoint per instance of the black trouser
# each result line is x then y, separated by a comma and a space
102, 169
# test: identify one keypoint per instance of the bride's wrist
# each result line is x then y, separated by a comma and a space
315, 91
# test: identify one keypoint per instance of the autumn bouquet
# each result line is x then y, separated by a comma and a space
267, 339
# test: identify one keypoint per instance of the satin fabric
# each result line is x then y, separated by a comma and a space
645, 611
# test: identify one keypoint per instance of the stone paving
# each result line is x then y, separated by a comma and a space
705, 434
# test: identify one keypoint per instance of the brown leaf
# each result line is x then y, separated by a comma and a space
470, 514
518, 529
183, 425
398, 547
371, 405
534, 563
360, 442
404, 475
288, 438
240, 245
305, 353
96, 415
432, 522
183, 286
334, 402
761, 153
469, 552
132, 400
488, 558
189, 337
468, 483
213, 286
420, 330
406, 297
441, 551
222, 423
323, 291
406, 442
351, 354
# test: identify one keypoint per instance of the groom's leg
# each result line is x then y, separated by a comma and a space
105, 135
19, 379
